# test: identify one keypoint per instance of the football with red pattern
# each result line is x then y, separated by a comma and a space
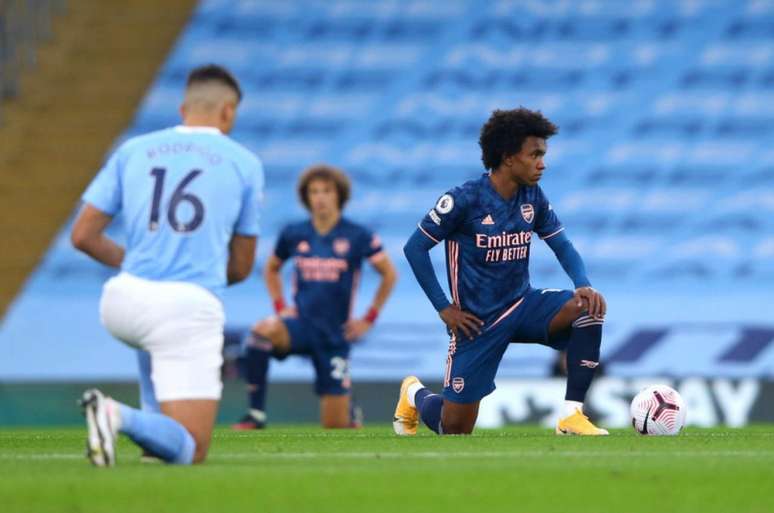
658, 410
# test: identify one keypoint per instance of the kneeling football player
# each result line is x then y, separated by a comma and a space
487, 225
327, 251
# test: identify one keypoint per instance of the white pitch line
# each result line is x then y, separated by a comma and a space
486, 454
451, 455
43, 456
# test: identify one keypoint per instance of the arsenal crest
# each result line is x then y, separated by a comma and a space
458, 384
341, 246
303, 247
528, 212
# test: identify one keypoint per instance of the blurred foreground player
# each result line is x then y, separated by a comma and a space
189, 197
487, 224
327, 251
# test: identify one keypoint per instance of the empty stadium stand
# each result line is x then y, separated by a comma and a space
663, 171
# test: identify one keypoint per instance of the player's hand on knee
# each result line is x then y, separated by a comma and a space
289, 311
354, 329
591, 300
458, 319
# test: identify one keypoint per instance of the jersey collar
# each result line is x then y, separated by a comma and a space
197, 129
330, 233
495, 195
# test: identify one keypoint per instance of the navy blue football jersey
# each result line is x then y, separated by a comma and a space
326, 269
487, 242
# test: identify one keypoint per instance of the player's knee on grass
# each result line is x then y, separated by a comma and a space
201, 452
457, 427
458, 421
202, 436
335, 423
197, 416
275, 331
334, 411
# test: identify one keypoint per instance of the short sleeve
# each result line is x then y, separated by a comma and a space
370, 244
283, 247
248, 222
547, 224
104, 192
445, 217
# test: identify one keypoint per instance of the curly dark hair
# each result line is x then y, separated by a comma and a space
505, 131
324, 172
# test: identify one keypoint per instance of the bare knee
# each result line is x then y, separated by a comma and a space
334, 411
268, 328
458, 419
275, 331
573, 310
457, 426
202, 441
200, 455
566, 315
197, 416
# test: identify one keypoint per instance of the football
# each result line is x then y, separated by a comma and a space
658, 410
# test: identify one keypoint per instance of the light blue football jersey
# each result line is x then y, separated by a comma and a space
182, 192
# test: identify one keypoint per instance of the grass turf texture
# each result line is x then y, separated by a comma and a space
299, 469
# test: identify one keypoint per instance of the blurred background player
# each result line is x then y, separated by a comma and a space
189, 197
487, 225
327, 252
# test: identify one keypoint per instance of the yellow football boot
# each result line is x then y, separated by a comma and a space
578, 424
405, 420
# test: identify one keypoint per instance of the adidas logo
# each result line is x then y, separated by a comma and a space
488, 219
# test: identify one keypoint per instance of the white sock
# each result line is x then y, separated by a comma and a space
571, 406
258, 415
114, 414
412, 392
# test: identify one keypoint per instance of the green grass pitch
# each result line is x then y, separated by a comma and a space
304, 469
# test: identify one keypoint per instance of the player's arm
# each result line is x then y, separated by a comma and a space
101, 202
573, 265
356, 328
417, 251
88, 236
383, 265
273, 279
241, 247
241, 257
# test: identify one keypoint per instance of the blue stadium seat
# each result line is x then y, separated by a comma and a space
663, 170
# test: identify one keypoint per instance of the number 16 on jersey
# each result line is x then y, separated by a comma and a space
178, 196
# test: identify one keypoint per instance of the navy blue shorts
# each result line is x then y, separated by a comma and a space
329, 355
471, 365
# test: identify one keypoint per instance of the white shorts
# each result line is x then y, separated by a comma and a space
181, 326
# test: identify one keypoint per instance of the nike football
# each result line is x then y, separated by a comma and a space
658, 410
